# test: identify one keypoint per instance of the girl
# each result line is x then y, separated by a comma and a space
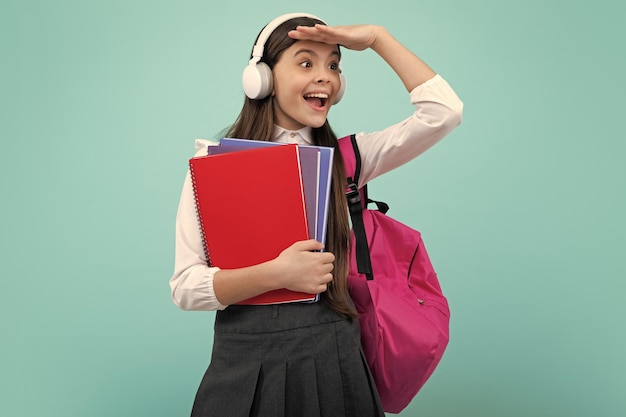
301, 359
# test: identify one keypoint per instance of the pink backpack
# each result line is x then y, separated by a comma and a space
404, 316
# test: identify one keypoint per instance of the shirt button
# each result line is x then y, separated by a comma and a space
293, 135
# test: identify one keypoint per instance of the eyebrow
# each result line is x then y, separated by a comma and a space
312, 52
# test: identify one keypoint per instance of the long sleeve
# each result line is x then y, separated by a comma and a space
438, 112
192, 281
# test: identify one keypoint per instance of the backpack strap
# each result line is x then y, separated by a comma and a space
356, 203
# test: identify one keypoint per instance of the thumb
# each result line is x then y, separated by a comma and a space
308, 245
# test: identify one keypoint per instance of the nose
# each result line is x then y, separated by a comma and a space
324, 76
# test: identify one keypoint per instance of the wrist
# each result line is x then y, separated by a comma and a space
380, 36
269, 273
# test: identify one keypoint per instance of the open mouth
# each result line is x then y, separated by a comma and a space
317, 100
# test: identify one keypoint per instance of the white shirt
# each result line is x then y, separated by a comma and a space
438, 111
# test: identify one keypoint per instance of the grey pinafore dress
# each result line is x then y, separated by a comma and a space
293, 360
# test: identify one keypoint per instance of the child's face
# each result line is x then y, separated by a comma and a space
306, 82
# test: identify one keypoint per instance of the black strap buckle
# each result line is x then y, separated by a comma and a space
353, 194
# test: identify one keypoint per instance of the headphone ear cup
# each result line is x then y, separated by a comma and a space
257, 81
342, 88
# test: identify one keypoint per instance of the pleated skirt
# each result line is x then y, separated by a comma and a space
296, 360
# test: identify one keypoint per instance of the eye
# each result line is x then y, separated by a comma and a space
334, 66
306, 64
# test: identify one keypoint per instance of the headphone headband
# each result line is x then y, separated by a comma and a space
257, 77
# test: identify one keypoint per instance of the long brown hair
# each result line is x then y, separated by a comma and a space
256, 121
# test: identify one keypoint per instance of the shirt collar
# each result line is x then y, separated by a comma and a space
302, 136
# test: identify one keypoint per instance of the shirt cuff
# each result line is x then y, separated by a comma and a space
211, 290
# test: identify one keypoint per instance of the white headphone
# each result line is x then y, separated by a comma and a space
257, 76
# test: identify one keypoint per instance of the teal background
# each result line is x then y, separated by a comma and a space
522, 207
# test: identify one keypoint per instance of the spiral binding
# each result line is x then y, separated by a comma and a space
205, 245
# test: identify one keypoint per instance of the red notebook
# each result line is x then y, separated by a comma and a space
251, 207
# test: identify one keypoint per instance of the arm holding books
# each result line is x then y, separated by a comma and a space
197, 286
297, 268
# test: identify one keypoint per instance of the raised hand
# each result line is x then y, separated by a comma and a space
409, 67
356, 37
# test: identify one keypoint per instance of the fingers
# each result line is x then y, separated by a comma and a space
324, 276
317, 33
323, 283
